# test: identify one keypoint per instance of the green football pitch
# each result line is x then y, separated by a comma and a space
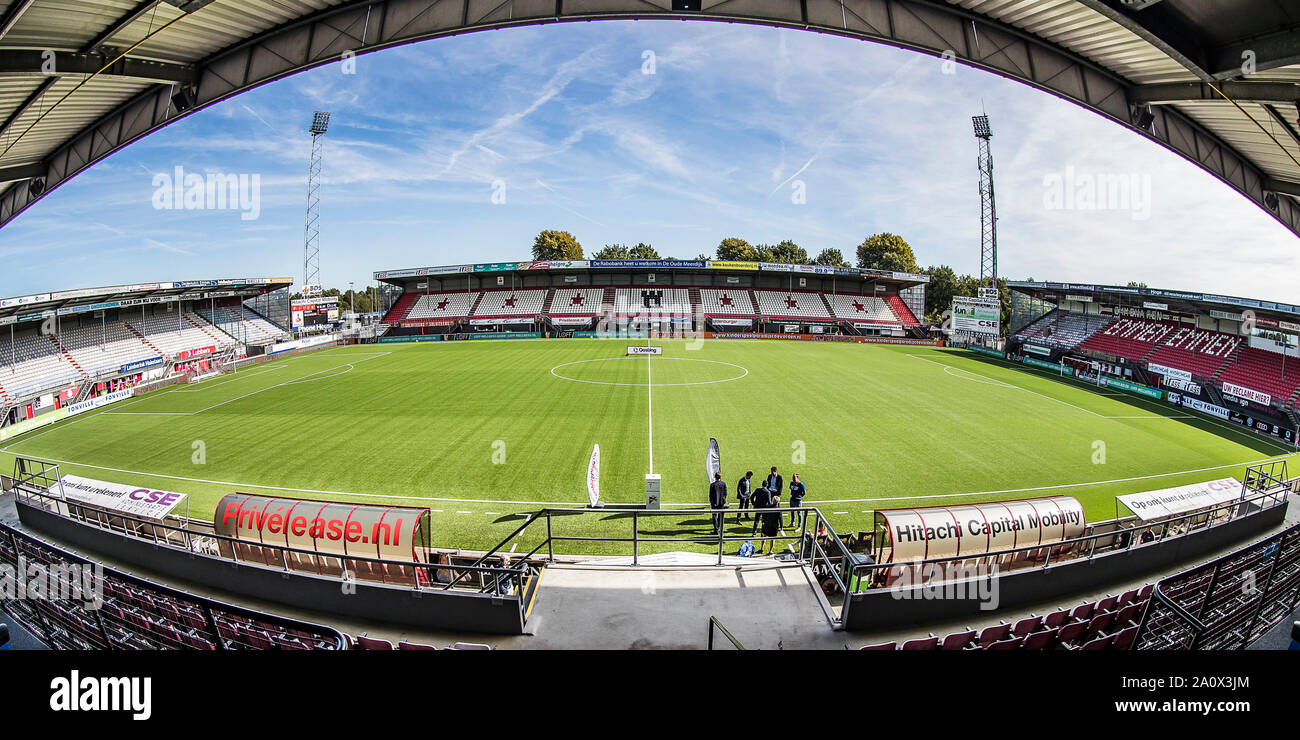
482, 431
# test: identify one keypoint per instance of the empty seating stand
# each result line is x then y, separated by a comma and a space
863, 309
1130, 338
900, 309
576, 302
141, 615
510, 304
1107, 624
1063, 329
651, 301
1262, 370
1198, 351
797, 305
401, 308
450, 306
726, 303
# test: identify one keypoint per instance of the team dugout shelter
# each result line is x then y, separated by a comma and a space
1233, 359
571, 297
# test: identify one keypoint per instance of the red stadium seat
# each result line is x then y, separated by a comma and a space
370, 643
922, 643
404, 645
958, 640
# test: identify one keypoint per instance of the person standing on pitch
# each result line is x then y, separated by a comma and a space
762, 500
717, 500
771, 524
742, 493
774, 482
797, 491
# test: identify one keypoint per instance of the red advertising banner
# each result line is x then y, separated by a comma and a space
190, 354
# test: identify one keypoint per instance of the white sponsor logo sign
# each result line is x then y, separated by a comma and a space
1170, 372
1179, 385
1079, 298
1205, 408
645, 350
1181, 499
1241, 391
132, 500
1155, 306
94, 403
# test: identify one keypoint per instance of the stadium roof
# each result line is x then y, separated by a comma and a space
1175, 299
66, 302
905, 279
81, 79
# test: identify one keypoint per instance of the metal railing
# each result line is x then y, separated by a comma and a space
31, 485
1269, 492
813, 543
715, 623
1228, 603
95, 627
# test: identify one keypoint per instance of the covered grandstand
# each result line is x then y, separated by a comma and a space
70, 346
1235, 359
665, 295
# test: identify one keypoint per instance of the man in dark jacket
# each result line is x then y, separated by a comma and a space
774, 482
762, 500
717, 500
797, 492
742, 493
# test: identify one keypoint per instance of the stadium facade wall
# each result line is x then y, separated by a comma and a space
451, 610
914, 605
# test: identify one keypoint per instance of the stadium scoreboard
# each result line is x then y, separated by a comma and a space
976, 315
306, 312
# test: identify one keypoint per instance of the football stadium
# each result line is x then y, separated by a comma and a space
563, 449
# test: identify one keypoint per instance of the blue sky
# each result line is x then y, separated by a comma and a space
713, 144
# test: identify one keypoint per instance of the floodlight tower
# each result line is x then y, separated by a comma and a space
988, 205
320, 120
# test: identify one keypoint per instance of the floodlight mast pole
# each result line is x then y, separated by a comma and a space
320, 121
988, 205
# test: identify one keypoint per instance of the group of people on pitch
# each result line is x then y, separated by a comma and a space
763, 503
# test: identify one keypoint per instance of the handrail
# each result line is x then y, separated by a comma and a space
715, 622
206, 604
1277, 496
519, 569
